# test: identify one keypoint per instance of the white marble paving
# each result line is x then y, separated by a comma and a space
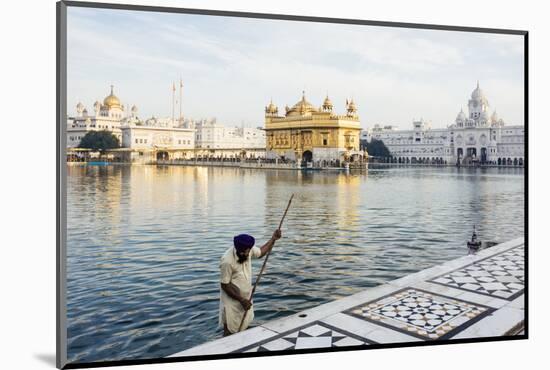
519, 302
278, 345
462, 295
228, 344
498, 324
481, 299
438, 289
419, 276
368, 330
313, 335
318, 342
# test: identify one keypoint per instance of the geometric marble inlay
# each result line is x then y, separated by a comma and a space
314, 335
500, 276
421, 314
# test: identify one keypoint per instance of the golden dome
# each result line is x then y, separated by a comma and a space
271, 108
111, 101
302, 107
327, 104
351, 106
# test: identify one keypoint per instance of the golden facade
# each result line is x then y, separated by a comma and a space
313, 134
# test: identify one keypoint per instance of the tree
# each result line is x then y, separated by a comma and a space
377, 148
99, 141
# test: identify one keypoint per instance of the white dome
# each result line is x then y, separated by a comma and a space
494, 117
477, 93
484, 116
461, 117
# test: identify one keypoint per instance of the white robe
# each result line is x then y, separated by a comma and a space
240, 275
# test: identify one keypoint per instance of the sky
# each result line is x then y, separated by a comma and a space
232, 67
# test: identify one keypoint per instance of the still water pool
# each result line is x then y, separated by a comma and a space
144, 242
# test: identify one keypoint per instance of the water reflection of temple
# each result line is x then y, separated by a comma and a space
348, 201
340, 192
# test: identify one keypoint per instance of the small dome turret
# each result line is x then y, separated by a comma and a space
79, 108
351, 108
327, 104
494, 117
271, 108
461, 117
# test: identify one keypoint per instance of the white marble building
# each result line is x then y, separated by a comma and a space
106, 116
478, 137
158, 137
163, 138
209, 134
132, 132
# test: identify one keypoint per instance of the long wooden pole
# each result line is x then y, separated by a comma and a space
264, 264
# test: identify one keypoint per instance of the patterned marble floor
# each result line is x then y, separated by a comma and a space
500, 276
421, 314
314, 335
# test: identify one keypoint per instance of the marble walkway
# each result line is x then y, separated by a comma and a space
474, 296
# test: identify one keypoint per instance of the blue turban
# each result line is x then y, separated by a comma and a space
243, 242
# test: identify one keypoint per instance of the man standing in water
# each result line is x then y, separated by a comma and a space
236, 281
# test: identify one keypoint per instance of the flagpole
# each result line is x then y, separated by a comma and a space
173, 101
181, 101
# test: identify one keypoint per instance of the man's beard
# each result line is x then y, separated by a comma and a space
241, 259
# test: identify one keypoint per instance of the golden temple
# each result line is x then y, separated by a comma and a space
306, 133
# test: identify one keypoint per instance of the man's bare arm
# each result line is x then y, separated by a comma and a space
235, 293
270, 243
